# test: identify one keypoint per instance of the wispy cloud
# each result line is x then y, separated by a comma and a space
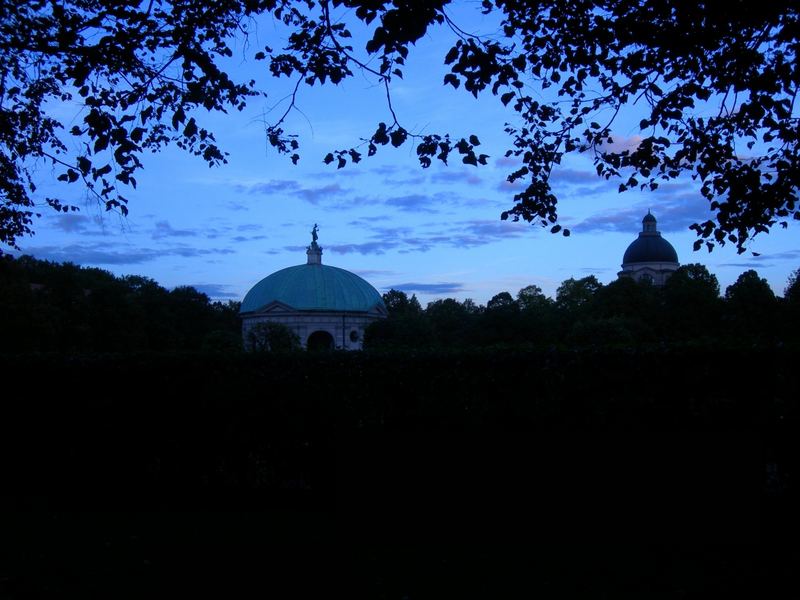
275, 186
507, 186
372, 272
314, 195
286, 187
216, 291
244, 238
364, 248
764, 261
427, 288
163, 229
368, 221
413, 203
620, 143
748, 264
456, 176
100, 254
71, 223
507, 161
460, 234
406, 181
674, 213
573, 176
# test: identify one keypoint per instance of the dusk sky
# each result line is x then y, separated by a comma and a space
434, 232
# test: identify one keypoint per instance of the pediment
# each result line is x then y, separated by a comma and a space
275, 308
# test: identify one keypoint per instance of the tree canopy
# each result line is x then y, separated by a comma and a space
624, 313
714, 82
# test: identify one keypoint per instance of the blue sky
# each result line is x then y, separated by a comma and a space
433, 232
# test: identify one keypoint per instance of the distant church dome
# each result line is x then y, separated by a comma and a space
649, 257
325, 306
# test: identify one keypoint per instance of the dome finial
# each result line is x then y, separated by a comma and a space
649, 223
314, 251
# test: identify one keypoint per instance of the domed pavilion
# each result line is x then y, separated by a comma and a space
327, 307
649, 257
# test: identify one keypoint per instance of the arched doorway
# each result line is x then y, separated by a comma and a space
320, 340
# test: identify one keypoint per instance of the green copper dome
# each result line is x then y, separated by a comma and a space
314, 287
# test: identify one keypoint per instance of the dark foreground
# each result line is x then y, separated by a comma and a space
669, 473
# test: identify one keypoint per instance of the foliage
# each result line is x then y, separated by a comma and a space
714, 86
503, 301
398, 303
751, 308
271, 337
50, 307
575, 294
792, 291
692, 306
625, 313
531, 298
750, 290
228, 464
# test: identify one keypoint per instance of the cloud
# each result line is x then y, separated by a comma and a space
314, 195
461, 234
378, 247
573, 176
71, 223
243, 238
511, 186
249, 227
413, 203
215, 290
674, 213
410, 203
401, 176
275, 186
163, 229
100, 254
508, 161
764, 261
471, 234
786, 255
414, 180
427, 288
339, 173
494, 228
620, 143
748, 264
386, 169
456, 176
367, 221
284, 187
372, 272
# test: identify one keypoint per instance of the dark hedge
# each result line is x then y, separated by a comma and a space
678, 447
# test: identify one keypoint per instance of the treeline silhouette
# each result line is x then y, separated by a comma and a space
65, 308
585, 313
